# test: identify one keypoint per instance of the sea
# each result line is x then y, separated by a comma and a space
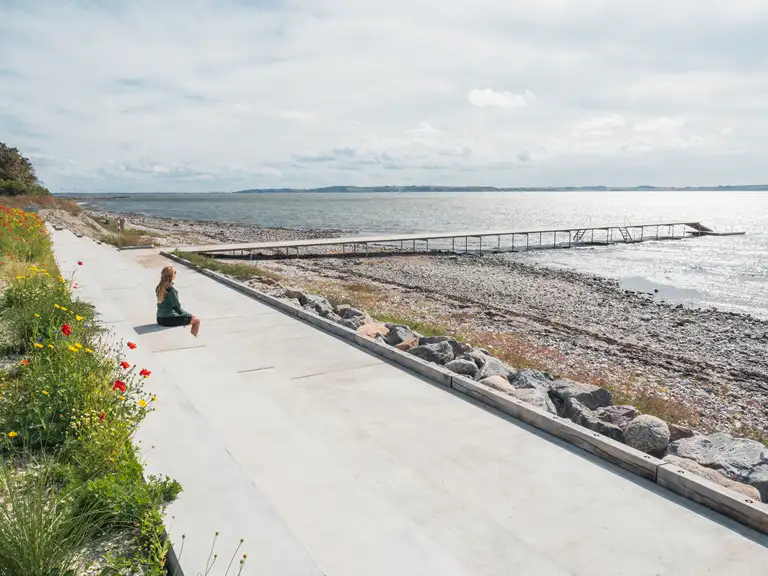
728, 272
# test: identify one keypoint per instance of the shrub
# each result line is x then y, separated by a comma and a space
14, 188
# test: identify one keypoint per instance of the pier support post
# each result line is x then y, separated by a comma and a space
527, 241
453, 245
466, 245
481, 245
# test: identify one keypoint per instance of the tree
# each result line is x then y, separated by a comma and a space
17, 175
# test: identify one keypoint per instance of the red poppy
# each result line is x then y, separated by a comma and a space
79, 263
125, 364
25, 362
119, 385
102, 416
144, 372
66, 330
131, 345
74, 285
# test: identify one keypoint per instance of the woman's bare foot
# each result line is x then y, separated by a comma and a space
195, 326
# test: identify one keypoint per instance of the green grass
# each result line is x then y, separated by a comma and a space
237, 271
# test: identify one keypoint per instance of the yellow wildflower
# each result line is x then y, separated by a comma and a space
78, 345
56, 306
38, 345
20, 277
12, 434
72, 348
64, 309
50, 346
121, 397
79, 318
45, 392
154, 398
89, 351
37, 315
142, 404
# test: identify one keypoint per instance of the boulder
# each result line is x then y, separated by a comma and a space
476, 356
583, 416
292, 293
341, 308
439, 353
399, 334
678, 432
333, 317
621, 416
739, 459
647, 434
354, 323
424, 340
318, 304
713, 476
497, 383
350, 313
533, 396
461, 366
527, 378
407, 345
494, 367
593, 397
373, 330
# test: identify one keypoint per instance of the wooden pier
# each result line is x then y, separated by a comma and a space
458, 242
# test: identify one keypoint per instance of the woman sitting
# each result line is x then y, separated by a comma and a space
169, 310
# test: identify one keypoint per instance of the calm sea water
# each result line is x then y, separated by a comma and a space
725, 272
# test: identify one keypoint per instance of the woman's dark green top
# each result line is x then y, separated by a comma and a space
170, 306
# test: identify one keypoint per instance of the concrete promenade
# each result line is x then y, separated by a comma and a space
328, 460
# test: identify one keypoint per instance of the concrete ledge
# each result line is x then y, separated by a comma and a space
615, 452
722, 500
147, 247
715, 497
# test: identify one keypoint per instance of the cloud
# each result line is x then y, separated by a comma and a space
491, 98
140, 95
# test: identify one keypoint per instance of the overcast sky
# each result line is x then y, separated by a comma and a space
166, 95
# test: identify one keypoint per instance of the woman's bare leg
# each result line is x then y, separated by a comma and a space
195, 326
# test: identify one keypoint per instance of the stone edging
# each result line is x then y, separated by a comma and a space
727, 502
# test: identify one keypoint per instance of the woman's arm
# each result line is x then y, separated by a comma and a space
174, 302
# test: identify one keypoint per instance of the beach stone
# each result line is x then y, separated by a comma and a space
497, 383
399, 334
432, 340
714, 476
620, 415
373, 329
295, 294
533, 396
527, 378
407, 345
333, 317
350, 312
583, 416
341, 308
476, 356
461, 366
678, 432
318, 304
439, 352
459, 348
494, 367
647, 434
593, 397
354, 323
739, 459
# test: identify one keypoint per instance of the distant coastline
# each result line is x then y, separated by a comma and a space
743, 188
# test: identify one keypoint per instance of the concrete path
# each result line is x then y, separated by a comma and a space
327, 460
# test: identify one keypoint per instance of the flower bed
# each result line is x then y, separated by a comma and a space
73, 496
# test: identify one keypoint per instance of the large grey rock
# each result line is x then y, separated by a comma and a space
465, 367
714, 476
620, 415
647, 434
533, 396
739, 459
318, 304
424, 340
398, 335
439, 353
527, 378
341, 309
583, 416
355, 322
479, 358
293, 293
593, 397
333, 317
497, 383
350, 313
678, 432
494, 367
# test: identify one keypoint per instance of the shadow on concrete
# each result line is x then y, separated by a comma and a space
150, 328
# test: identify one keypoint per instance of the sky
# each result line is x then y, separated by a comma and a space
218, 95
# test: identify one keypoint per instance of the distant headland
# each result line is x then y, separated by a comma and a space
730, 187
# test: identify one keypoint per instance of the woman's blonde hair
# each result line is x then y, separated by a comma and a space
166, 280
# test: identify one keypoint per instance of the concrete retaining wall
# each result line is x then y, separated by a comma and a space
727, 502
